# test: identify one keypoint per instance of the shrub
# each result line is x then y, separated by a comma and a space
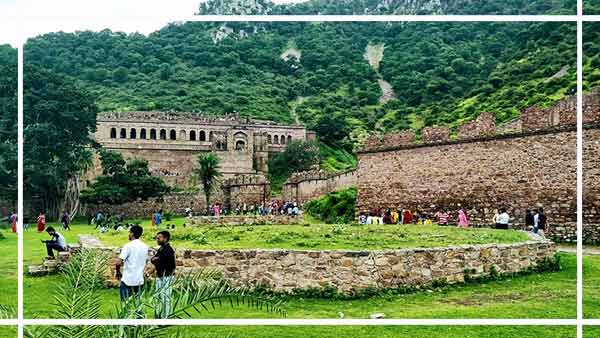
335, 207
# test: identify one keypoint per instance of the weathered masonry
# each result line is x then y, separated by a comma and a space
170, 142
526, 164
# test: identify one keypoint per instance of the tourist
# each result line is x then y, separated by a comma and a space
539, 221
528, 219
217, 210
296, 210
133, 259
41, 222
164, 264
495, 218
407, 218
57, 242
442, 217
13, 221
157, 218
99, 219
65, 220
502, 220
387, 217
362, 218
463, 221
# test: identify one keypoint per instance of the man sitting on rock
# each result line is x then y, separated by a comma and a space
57, 242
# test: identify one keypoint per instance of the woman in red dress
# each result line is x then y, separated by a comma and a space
41, 222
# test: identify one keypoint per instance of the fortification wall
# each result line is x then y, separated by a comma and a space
591, 184
249, 190
308, 185
286, 270
529, 164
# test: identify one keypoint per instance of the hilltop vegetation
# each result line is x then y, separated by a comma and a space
591, 55
8, 123
407, 7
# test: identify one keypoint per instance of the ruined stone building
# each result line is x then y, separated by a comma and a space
171, 142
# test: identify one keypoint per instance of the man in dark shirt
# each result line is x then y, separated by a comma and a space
164, 263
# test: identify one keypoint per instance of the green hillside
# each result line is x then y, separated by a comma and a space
8, 123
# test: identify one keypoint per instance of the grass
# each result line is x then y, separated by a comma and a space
302, 237
548, 295
591, 287
8, 269
381, 331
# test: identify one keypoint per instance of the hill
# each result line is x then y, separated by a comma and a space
343, 80
8, 124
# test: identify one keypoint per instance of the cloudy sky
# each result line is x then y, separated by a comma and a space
45, 16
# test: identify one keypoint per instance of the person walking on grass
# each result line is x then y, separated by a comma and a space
13, 221
65, 220
463, 221
41, 222
132, 258
157, 218
57, 242
164, 264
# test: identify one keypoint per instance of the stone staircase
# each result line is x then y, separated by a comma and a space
52, 266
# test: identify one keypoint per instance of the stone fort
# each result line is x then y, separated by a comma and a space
171, 142
523, 164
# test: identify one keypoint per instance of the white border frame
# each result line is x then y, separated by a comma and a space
579, 18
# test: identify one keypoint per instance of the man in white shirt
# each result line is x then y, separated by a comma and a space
503, 219
133, 258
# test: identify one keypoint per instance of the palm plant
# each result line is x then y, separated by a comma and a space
78, 297
208, 173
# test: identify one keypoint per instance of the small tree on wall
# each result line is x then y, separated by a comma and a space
208, 173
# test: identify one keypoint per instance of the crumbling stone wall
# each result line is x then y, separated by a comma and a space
175, 203
591, 184
286, 270
435, 134
251, 190
516, 172
484, 125
307, 185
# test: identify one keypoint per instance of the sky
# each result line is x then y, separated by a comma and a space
44, 16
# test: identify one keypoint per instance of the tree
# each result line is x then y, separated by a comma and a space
123, 182
59, 118
8, 124
209, 174
297, 156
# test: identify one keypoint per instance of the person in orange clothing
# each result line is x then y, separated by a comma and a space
41, 222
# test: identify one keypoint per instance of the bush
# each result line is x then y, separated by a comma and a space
335, 207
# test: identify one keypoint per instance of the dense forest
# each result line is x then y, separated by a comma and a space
8, 124
591, 55
398, 7
318, 73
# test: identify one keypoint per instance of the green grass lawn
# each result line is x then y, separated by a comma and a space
8, 269
380, 331
310, 236
548, 295
591, 287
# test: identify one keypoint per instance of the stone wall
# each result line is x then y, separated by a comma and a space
591, 184
308, 185
484, 124
245, 220
286, 270
251, 190
513, 171
435, 134
175, 203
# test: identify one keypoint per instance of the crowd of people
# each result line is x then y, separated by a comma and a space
275, 207
534, 219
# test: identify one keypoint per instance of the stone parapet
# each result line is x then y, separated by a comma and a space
348, 270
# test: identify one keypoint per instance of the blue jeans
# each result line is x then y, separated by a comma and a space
126, 291
164, 289
50, 246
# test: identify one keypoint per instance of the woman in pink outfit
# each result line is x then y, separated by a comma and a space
463, 222
217, 210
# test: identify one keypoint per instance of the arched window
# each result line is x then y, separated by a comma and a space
202, 135
113, 132
182, 135
269, 141
192, 135
163, 134
276, 139
289, 140
143, 133
153, 134
282, 139
240, 145
123, 133
132, 133
173, 134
